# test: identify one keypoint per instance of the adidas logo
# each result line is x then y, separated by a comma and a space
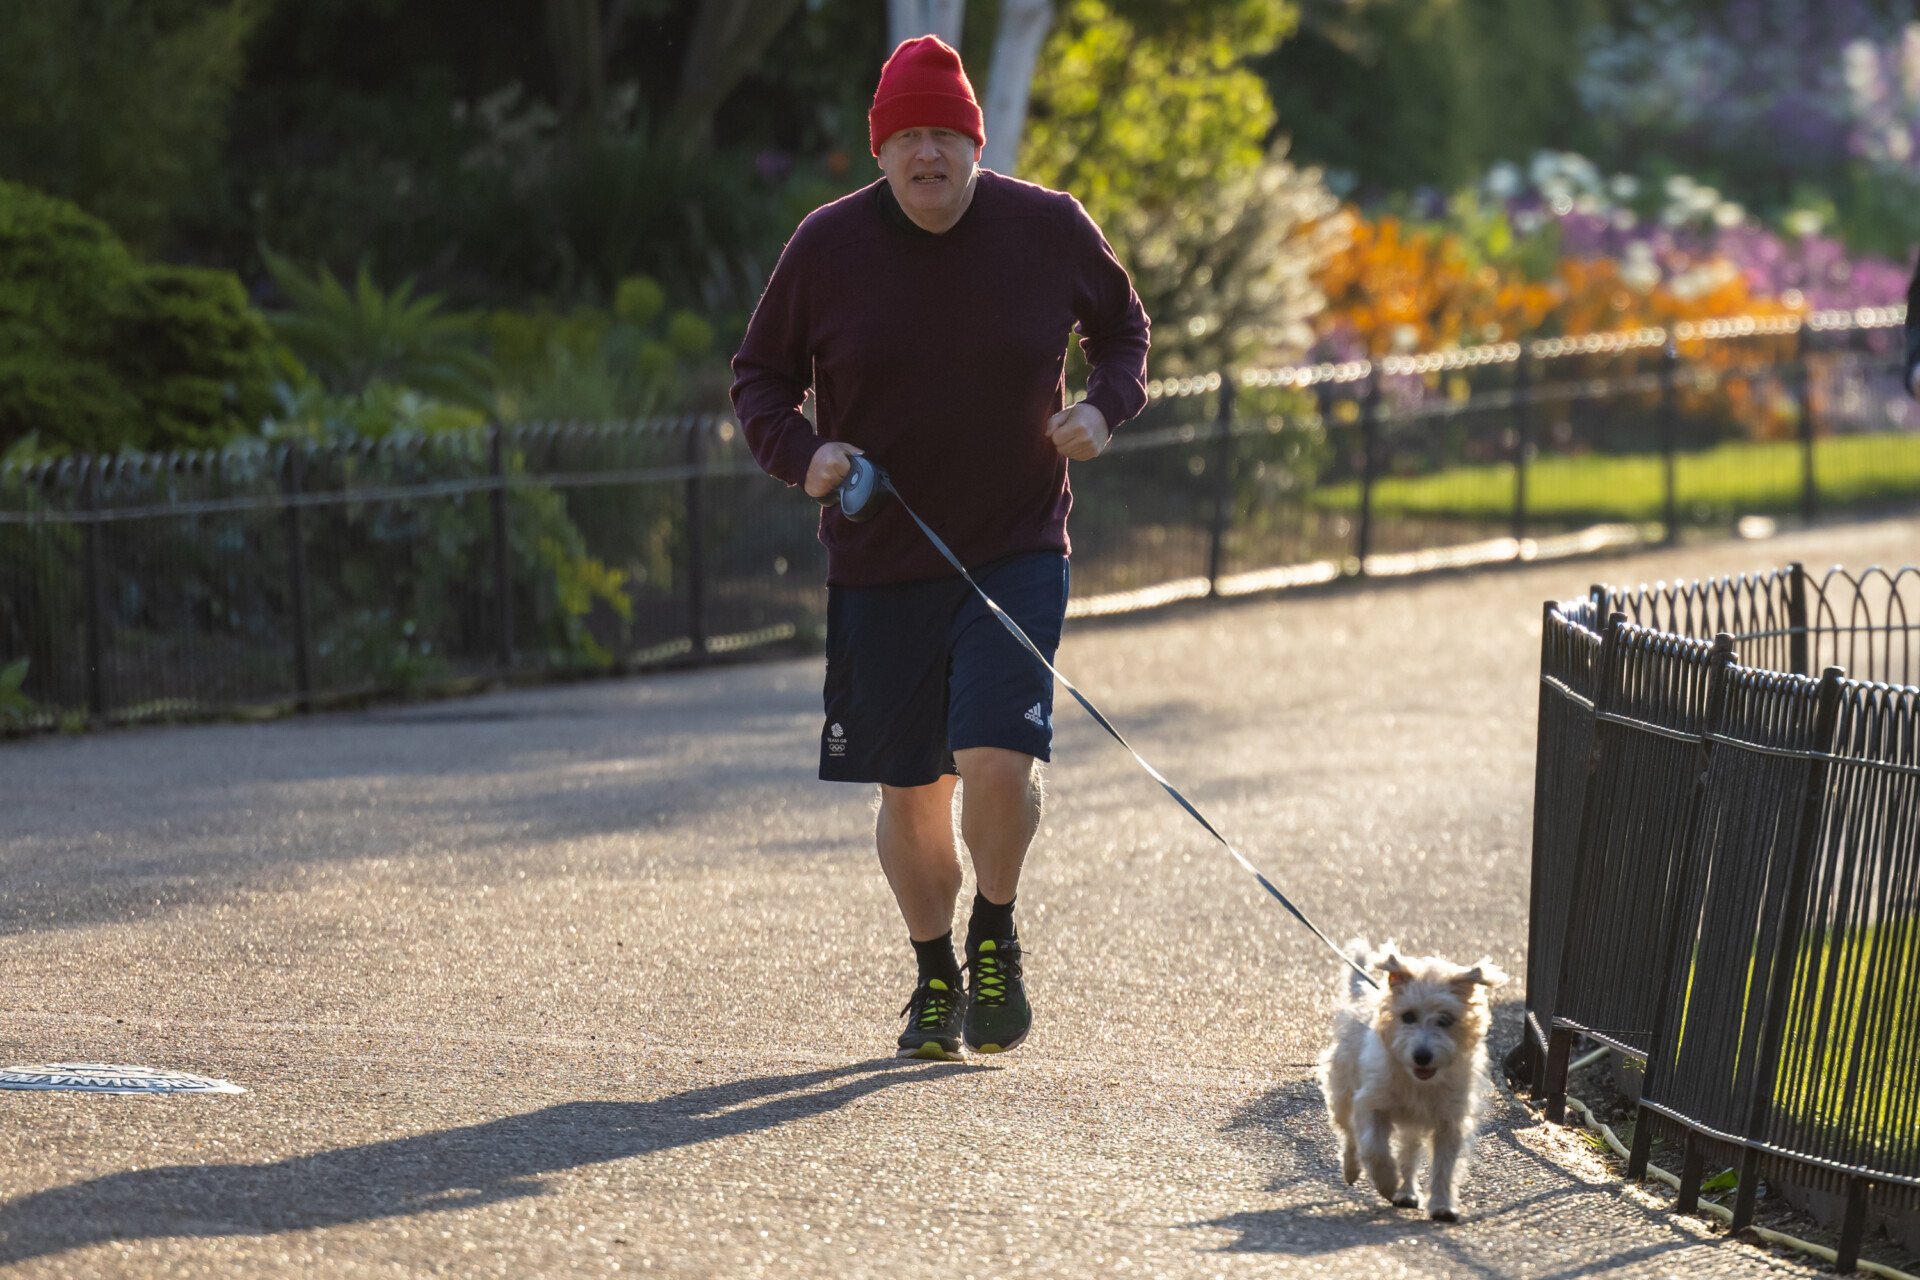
1037, 714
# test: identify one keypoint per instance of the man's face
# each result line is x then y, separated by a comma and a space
932, 173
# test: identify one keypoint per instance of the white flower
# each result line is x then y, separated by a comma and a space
1503, 181
1804, 223
1623, 186
1640, 273
1728, 214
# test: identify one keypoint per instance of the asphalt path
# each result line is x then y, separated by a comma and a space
595, 978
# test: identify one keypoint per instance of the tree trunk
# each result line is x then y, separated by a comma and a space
583, 36
727, 40
909, 18
1016, 52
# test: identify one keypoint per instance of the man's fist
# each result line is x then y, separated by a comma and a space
1079, 432
829, 467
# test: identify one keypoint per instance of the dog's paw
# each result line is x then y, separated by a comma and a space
1444, 1215
1405, 1202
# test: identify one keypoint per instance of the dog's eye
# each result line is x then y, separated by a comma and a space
1444, 1021
1409, 1016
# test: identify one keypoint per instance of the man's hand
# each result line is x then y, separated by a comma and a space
1079, 432
831, 462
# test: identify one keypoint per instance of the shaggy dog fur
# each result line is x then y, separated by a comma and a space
1407, 1071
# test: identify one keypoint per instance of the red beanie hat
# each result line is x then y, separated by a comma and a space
923, 86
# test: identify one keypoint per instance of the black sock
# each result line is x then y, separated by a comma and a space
989, 920
936, 960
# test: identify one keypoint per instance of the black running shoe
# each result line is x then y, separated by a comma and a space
998, 1014
933, 1022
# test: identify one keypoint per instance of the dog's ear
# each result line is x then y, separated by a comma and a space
1484, 974
1389, 962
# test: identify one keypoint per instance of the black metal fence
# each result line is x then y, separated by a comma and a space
1726, 874
273, 575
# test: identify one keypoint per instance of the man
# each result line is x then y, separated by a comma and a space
929, 315
1913, 333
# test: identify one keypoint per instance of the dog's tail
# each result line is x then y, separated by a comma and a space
1361, 952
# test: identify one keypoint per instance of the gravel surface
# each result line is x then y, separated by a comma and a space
596, 978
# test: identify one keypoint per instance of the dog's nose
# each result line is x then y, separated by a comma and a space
1422, 1058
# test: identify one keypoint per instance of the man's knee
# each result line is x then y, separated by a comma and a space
915, 804
997, 768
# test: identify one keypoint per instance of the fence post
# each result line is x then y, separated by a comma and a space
1523, 375
502, 551
292, 483
1803, 390
1553, 1079
1369, 467
1722, 657
696, 538
91, 587
1797, 631
1780, 975
1669, 440
1222, 484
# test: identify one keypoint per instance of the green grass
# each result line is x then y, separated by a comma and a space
1742, 478
1849, 967
1840, 966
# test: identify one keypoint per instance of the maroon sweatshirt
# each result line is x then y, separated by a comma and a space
942, 356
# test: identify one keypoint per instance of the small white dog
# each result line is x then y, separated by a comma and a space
1408, 1068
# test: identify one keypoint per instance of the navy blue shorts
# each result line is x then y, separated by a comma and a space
920, 670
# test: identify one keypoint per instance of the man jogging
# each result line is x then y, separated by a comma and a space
929, 315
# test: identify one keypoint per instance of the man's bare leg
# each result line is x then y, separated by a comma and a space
914, 834
999, 813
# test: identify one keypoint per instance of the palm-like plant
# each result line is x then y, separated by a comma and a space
352, 339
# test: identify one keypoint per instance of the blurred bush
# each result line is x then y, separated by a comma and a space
355, 340
100, 351
1153, 119
636, 359
120, 105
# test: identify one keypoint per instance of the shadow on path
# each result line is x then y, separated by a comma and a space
451, 1169
1514, 1192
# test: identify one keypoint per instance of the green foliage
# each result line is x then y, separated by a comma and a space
100, 351
589, 363
119, 105
384, 409
1405, 93
15, 705
1151, 118
356, 339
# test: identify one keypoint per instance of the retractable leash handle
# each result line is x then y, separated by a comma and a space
863, 492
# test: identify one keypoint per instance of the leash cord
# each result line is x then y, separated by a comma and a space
1099, 719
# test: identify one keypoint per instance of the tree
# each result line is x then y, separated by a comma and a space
119, 105
1017, 41
100, 351
907, 19
1149, 115
1406, 93
728, 39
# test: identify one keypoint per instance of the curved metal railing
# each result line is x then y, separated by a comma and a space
1726, 872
